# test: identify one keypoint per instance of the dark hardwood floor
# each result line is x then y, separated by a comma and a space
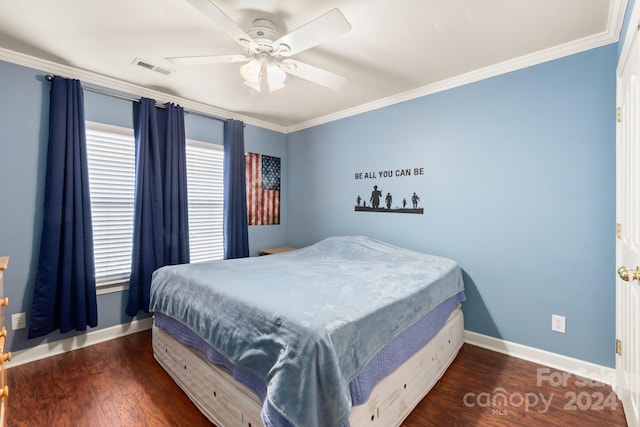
119, 383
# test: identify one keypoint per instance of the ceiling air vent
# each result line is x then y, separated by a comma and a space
151, 67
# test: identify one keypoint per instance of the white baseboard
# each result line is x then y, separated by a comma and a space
577, 367
79, 341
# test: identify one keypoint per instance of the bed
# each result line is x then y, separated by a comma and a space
348, 331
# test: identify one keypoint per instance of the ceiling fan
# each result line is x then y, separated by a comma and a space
268, 53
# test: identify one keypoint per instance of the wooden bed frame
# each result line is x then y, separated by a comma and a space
228, 403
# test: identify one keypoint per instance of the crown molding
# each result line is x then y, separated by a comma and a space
463, 79
611, 35
133, 90
630, 34
614, 24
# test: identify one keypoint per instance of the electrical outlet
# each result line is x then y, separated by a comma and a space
558, 323
18, 321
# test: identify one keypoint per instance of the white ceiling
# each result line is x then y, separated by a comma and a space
396, 49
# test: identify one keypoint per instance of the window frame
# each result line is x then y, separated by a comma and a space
117, 285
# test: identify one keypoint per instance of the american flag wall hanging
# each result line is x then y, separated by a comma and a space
263, 189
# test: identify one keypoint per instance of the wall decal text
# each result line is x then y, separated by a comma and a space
390, 173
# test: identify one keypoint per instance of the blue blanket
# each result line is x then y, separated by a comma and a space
306, 322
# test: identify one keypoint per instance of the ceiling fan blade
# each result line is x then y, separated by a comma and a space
313, 74
221, 20
321, 29
207, 59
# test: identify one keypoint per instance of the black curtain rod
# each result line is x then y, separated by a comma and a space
49, 78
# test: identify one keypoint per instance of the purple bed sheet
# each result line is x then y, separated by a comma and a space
387, 360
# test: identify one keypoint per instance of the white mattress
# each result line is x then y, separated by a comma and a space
228, 403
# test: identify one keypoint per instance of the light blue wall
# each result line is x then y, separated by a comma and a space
23, 151
519, 188
271, 143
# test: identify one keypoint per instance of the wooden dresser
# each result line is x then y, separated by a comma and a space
4, 357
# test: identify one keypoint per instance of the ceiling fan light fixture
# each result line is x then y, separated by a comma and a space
255, 86
275, 76
251, 71
282, 49
268, 52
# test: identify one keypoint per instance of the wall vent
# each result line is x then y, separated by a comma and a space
145, 64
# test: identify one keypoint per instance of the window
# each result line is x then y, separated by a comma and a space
111, 159
205, 189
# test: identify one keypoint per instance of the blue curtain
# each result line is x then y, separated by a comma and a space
64, 295
236, 228
160, 227
174, 174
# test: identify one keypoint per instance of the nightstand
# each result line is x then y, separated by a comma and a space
273, 251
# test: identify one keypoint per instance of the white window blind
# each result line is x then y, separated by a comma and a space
111, 159
206, 194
